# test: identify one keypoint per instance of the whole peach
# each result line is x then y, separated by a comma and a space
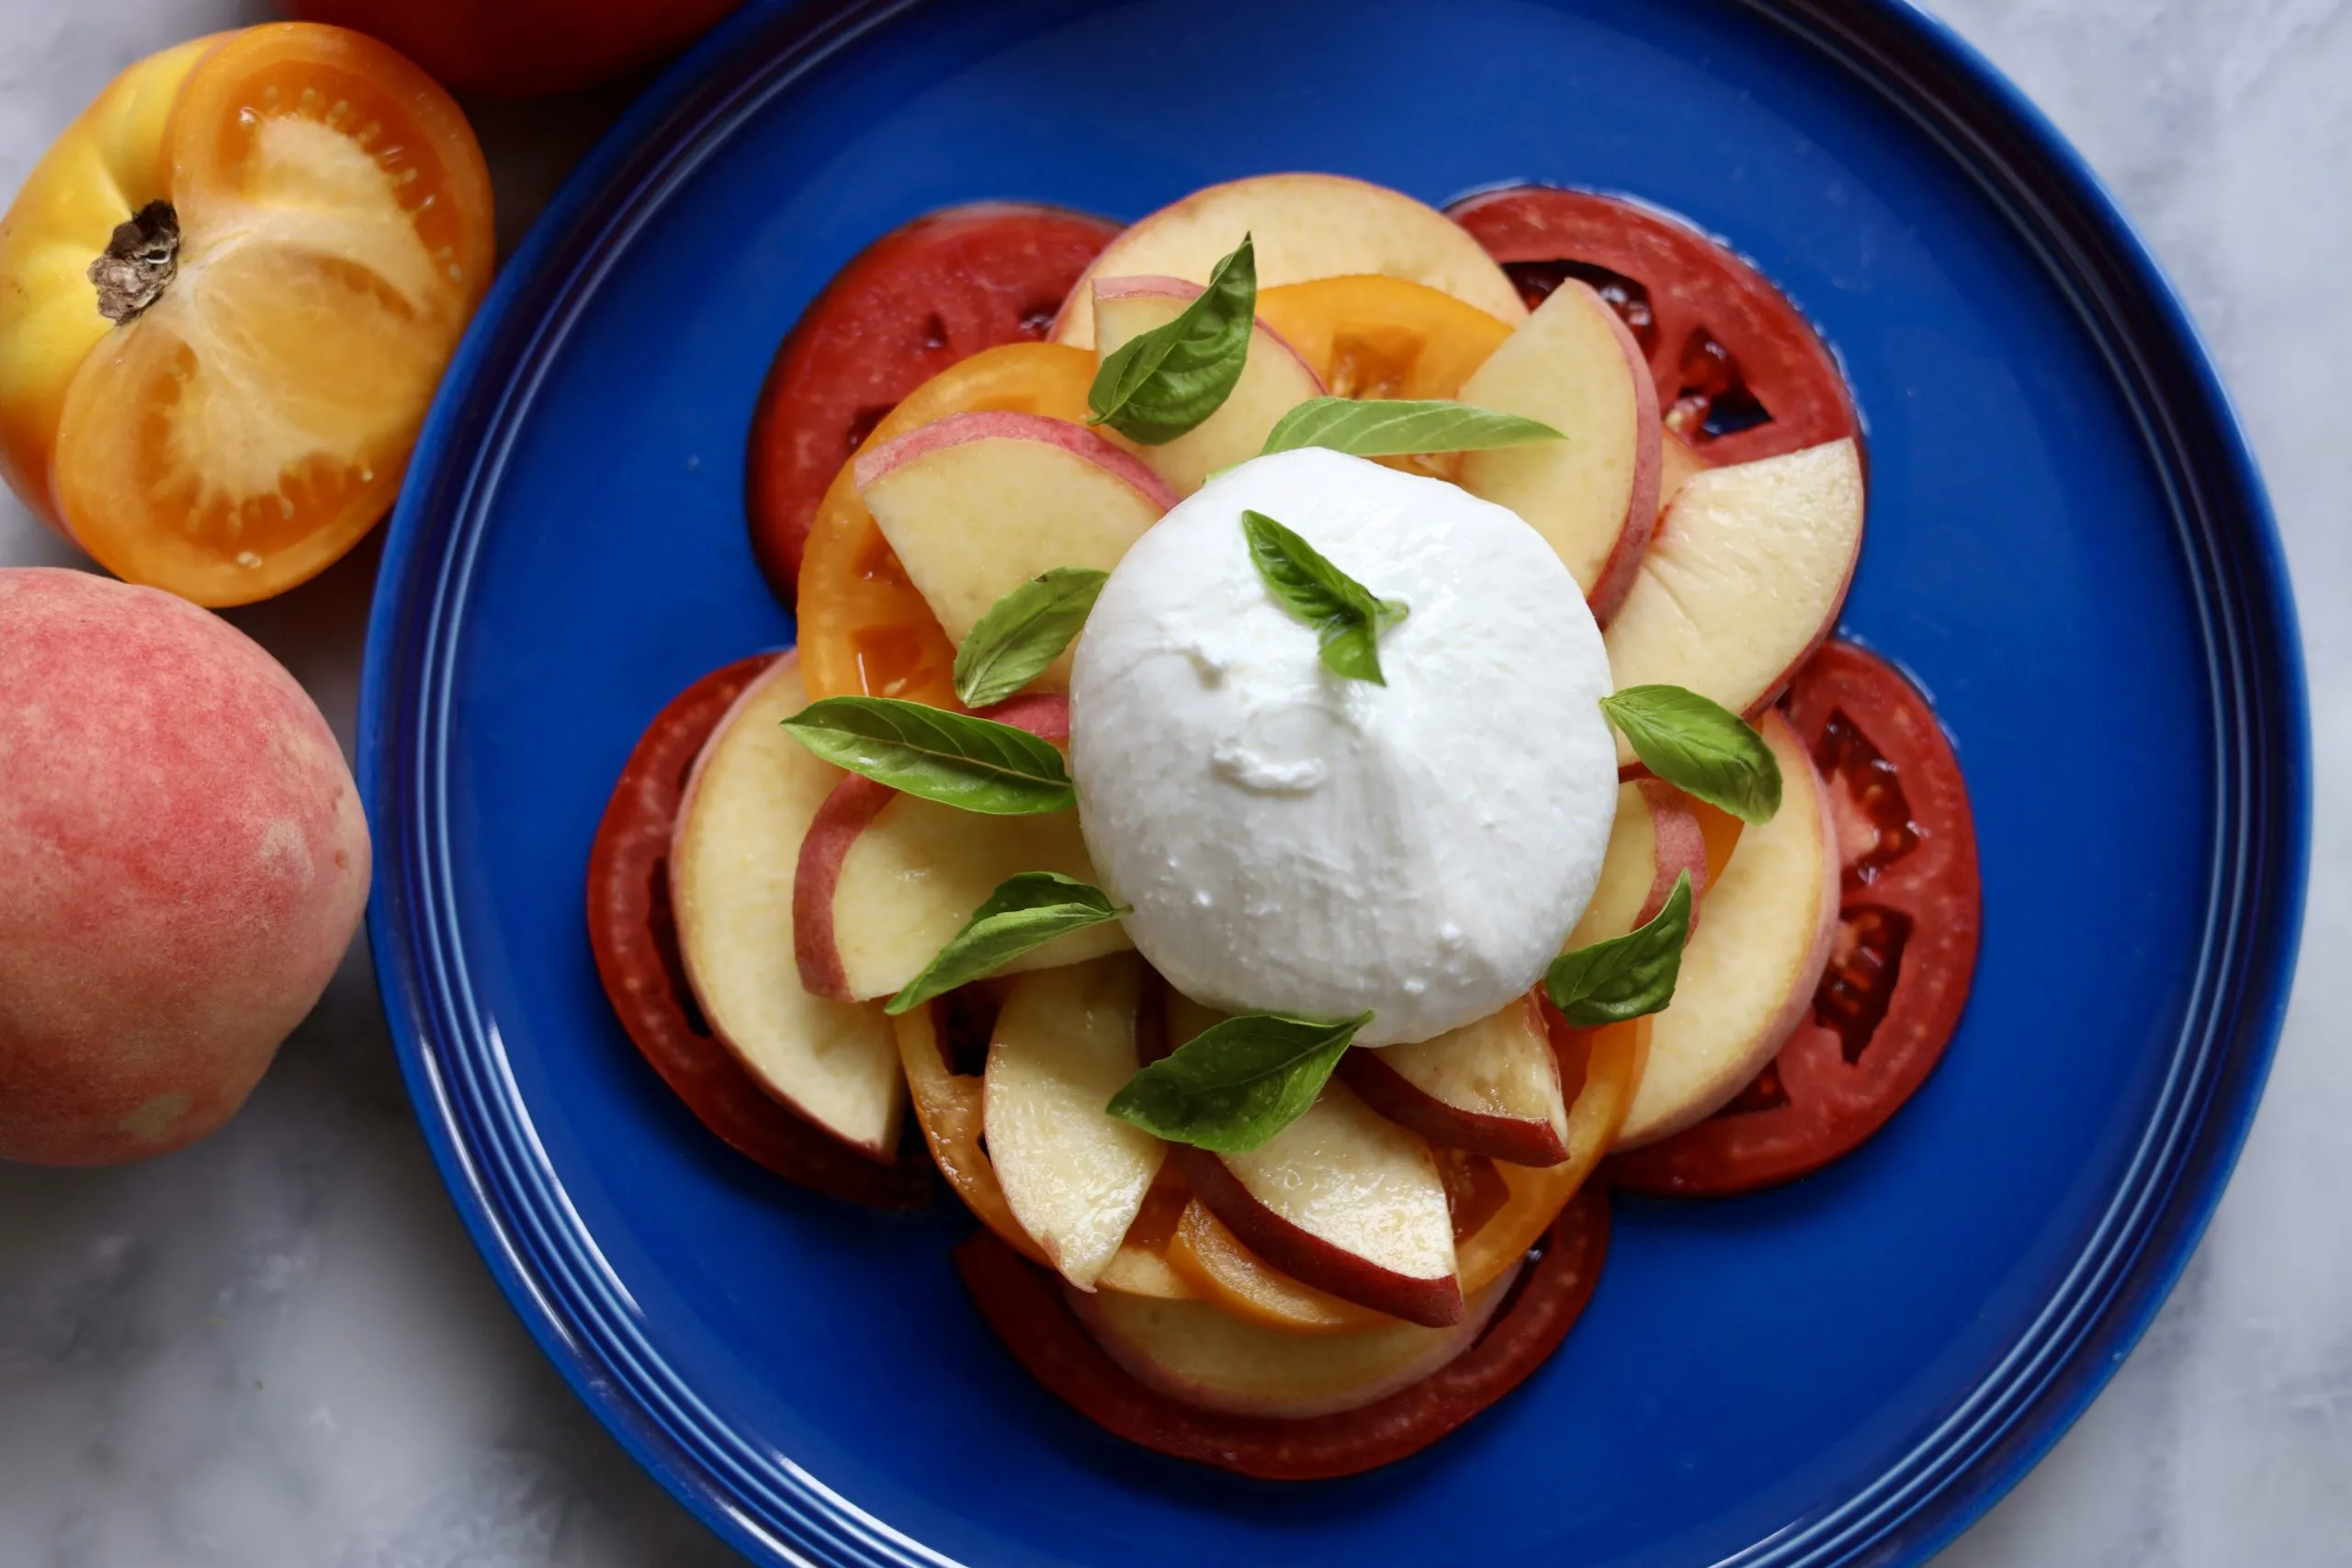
183, 862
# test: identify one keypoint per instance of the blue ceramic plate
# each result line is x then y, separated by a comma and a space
2067, 544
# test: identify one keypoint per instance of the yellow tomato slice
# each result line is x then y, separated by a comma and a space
864, 628
246, 428
1618, 1052
1382, 337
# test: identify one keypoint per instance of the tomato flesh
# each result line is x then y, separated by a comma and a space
635, 944
1025, 1306
917, 300
1904, 955
1740, 373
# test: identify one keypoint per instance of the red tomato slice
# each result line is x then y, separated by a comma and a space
636, 943
1740, 373
1906, 949
1025, 1306
914, 302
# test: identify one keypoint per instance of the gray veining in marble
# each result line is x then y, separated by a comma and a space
278, 1350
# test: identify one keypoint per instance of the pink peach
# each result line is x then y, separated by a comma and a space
183, 862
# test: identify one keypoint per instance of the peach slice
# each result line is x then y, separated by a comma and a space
1345, 1201
1750, 970
978, 503
906, 876
1302, 226
1205, 1356
1275, 380
1074, 1177
1744, 578
749, 802
1490, 1087
1594, 495
1658, 836
1209, 1258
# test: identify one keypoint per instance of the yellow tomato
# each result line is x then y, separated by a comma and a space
292, 224
864, 628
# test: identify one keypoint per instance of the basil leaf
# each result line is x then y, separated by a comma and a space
1023, 633
1155, 387
955, 759
1345, 615
1375, 427
1236, 1083
1699, 746
1025, 913
1626, 976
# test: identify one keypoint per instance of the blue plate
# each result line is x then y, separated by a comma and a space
2068, 544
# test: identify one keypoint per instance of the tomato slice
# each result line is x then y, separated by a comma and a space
1740, 372
635, 944
914, 302
865, 627
1382, 337
1904, 951
1025, 1306
333, 213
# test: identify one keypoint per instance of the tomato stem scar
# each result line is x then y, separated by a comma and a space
140, 261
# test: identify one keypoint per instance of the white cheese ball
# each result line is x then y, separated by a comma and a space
1295, 841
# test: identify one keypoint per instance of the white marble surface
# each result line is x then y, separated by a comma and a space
277, 1350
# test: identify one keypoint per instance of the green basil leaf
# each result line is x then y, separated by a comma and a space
1155, 387
1025, 913
1236, 1083
952, 758
1627, 976
1699, 746
1023, 633
1375, 427
1347, 618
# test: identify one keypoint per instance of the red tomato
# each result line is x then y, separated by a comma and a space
1023, 1305
914, 302
1740, 373
520, 48
636, 943
1905, 948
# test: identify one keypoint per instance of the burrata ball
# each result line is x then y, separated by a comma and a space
1293, 840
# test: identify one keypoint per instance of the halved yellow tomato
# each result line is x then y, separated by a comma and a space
864, 628
226, 295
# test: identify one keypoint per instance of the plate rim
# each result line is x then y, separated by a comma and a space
2016, 157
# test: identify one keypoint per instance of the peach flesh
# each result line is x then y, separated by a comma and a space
183, 863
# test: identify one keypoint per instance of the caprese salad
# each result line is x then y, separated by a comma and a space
1313, 755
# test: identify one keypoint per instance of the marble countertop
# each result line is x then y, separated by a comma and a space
277, 1350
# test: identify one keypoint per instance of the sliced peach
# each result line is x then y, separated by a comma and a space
1749, 972
1490, 1087
1074, 1177
1744, 579
1302, 227
864, 628
978, 503
1345, 1201
1658, 836
1275, 380
749, 802
1594, 496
